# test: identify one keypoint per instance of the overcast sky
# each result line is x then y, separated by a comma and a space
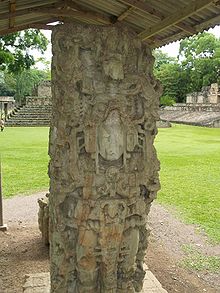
171, 49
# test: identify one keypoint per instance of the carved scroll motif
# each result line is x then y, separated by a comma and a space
103, 165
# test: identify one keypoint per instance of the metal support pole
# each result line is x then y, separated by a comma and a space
3, 227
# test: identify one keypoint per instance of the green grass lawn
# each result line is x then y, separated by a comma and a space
24, 159
190, 169
190, 174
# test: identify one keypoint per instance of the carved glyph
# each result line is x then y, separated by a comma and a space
103, 168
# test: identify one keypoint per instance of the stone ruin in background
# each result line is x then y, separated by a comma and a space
206, 100
201, 109
36, 111
43, 97
7, 104
208, 95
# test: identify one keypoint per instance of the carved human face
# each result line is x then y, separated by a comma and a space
111, 137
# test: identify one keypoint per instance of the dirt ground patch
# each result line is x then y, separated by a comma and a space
168, 237
22, 251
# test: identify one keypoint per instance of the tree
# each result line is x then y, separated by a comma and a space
46, 66
27, 81
18, 77
200, 56
15, 49
169, 71
21, 84
198, 65
161, 59
7, 84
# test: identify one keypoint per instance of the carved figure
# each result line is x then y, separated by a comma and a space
111, 137
103, 165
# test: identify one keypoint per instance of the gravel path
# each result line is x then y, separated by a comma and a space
164, 226
21, 209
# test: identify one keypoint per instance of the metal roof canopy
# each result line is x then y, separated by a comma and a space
157, 22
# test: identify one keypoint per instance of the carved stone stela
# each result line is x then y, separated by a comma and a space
103, 168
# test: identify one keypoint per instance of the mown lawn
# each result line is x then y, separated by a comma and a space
24, 156
190, 169
190, 174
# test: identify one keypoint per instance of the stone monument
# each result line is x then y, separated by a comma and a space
103, 168
43, 97
43, 218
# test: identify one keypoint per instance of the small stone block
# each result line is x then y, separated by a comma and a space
3, 228
40, 283
37, 283
151, 284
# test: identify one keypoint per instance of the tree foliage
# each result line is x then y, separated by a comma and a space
170, 74
162, 58
27, 82
15, 54
18, 77
167, 101
198, 65
21, 84
7, 84
201, 59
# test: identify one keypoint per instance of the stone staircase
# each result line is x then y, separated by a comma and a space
30, 115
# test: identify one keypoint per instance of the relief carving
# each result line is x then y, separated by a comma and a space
110, 137
103, 165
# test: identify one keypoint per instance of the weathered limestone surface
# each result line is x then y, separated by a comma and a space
43, 218
103, 169
37, 283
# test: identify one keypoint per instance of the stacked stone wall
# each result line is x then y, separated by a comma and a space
44, 89
208, 95
43, 97
194, 107
38, 101
7, 105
